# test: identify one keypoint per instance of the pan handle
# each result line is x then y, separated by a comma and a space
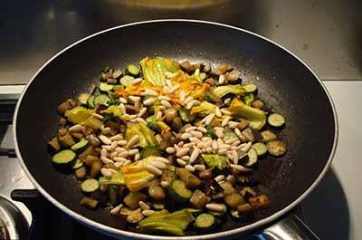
289, 228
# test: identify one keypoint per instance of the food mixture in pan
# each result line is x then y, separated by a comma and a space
169, 146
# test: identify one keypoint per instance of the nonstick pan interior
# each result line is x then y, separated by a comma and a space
283, 82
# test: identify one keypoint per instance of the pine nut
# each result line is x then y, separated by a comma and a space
123, 154
221, 79
219, 178
123, 100
76, 128
225, 121
106, 160
137, 81
182, 96
162, 159
104, 152
166, 103
180, 162
148, 213
217, 207
152, 169
218, 112
182, 152
120, 159
199, 167
117, 137
137, 156
150, 92
185, 136
159, 165
105, 172
133, 151
194, 155
134, 99
202, 129
170, 150
165, 184
195, 140
196, 134
105, 139
134, 140
116, 209
189, 129
164, 98
144, 205
225, 111
122, 142
190, 168
239, 168
233, 124
142, 112
149, 101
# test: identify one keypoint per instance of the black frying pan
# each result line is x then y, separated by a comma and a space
285, 82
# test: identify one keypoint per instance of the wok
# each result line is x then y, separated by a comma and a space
285, 83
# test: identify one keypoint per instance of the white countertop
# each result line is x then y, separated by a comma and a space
333, 210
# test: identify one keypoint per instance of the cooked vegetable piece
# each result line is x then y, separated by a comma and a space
135, 216
234, 199
268, 135
127, 80
64, 157
152, 123
252, 158
81, 145
90, 102
93, 122
250, 87
248, 99
133, 198
89, 185
150, 150
133, 70
79, 114
260, 148
245, 208
105, 87
102, 99
188, 178
54, 144
256, 117
259, 201
199, 199
116, 111
78, 163
83, 98
116, 179
204, 109
95, 168
227, 187
215, 160
205, 221
257, 104
156, 192
171, 223
179, 192
146, 136
221, 91
186, 115
113, 194
154, 70
80, 173
276, 120
89, 202
66, 140
276, 148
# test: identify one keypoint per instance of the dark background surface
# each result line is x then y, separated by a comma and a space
324, 33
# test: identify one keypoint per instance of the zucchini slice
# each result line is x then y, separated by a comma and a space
81, 145
64, 157
204, 221
249, 88
133, 70
89, 185
252, 158
102, 99
260, 148
276, 148
83, 98
78, 163
179, 192
150, 150
276, 120
90, 102
126, 80
105, 87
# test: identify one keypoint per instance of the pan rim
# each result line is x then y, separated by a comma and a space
118, 232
